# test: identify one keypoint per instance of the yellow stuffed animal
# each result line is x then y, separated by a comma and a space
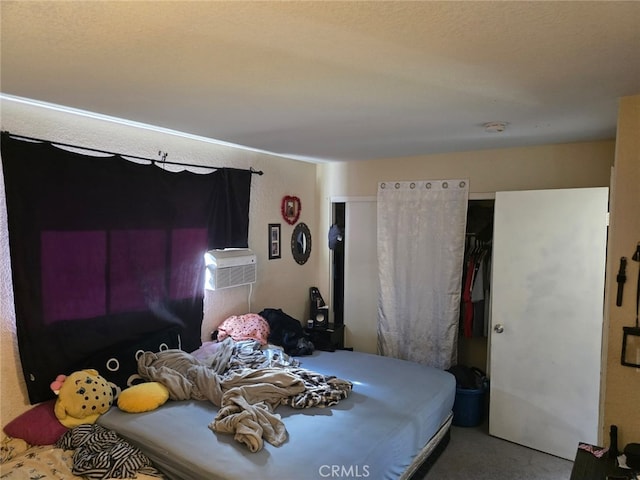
143, 397
82, 397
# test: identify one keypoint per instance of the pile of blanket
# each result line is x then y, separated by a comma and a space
247, 386
99, 453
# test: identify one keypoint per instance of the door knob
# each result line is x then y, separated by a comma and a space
499, 328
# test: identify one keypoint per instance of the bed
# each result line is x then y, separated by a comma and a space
391, 423
395, 418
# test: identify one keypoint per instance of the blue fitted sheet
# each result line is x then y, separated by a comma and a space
395, 408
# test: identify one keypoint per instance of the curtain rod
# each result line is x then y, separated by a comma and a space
163, 160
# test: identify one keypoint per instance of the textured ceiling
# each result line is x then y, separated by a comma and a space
332, 80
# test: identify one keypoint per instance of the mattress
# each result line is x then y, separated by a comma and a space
382, 430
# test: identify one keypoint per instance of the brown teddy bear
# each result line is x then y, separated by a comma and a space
82, 397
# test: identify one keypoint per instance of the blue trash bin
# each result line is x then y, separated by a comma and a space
468, 407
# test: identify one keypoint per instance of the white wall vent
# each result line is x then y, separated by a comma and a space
229, 267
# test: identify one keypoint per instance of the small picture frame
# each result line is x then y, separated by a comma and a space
290, 209
631, 347
274, 241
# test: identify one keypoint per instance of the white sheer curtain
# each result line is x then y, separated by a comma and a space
421, 229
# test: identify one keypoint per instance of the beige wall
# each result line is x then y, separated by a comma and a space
551, 166
282, 283
621, 389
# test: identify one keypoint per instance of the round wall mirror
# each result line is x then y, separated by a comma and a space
301, 243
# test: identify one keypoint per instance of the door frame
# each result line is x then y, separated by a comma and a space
353, 326
341, 199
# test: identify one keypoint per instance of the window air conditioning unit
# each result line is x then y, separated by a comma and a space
229, 267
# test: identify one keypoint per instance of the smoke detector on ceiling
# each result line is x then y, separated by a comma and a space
495, 127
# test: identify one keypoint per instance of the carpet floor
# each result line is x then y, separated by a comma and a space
472, 454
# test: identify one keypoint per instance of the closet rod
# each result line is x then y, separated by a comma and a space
152, 160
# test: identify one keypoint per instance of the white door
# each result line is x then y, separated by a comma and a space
547, 302
361, 275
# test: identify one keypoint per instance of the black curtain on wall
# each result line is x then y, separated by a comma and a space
104, 250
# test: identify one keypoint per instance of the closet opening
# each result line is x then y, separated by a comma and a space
475, 307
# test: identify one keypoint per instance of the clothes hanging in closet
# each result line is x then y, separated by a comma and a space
475, 291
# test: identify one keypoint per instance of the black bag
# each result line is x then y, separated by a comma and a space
469, 378
632, 452
287, 332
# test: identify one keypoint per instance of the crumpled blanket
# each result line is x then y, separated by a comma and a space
320, 390
236, 355
99, 453
247, 398
240, 381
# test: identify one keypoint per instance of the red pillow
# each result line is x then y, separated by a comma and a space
37, 426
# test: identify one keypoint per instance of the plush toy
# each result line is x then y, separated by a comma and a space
143, 397
82, 397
